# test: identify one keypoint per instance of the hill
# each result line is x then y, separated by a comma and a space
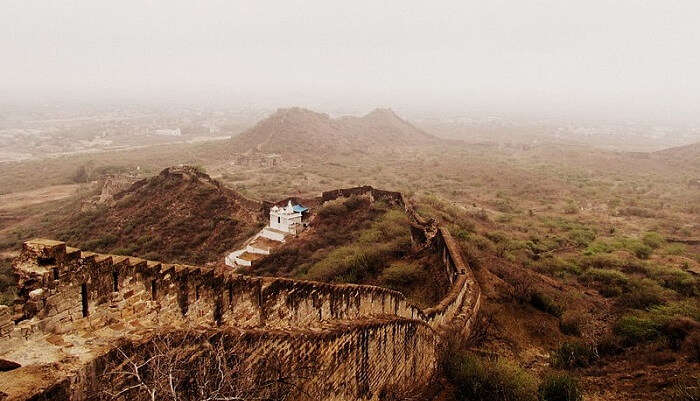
180, 215
688, 155
297, 130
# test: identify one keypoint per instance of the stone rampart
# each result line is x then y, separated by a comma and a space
364, 340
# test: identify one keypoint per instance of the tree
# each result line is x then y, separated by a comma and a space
190, 366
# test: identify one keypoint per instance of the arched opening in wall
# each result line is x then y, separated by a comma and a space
55, 273
154, 289
84, 298
115, 281
196, 292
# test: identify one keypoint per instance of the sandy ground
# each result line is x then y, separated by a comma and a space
21, 199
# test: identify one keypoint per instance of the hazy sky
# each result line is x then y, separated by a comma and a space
608, 56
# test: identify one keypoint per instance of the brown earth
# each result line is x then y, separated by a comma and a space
297, 130
180, 215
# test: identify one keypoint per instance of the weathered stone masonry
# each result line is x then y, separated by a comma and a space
362, 340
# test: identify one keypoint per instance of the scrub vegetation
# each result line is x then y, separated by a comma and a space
586, 257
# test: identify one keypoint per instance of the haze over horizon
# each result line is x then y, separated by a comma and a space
621, 59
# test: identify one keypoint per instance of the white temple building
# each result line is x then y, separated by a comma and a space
284, 221
287, 219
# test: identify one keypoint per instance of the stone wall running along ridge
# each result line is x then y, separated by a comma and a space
77, 308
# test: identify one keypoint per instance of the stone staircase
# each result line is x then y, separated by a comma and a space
256, 247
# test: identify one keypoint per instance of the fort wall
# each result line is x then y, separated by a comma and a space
363, 340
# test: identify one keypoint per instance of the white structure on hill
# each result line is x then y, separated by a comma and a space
287, 219
284, 221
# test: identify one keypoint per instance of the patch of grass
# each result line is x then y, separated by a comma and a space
674, 278
555, 266
610, 283
653, 239
637, 247
641, 326
387, 237
560, 386
348, 264
582, 236
401, 273
546, 304
477, 379
675, 249
574, 355
641, 294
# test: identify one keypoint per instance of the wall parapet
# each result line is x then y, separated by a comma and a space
63, 289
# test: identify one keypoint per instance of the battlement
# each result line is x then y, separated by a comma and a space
83, 303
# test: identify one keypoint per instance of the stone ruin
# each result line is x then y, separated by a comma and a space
78, 311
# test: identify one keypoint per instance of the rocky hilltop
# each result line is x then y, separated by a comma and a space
298, 130
181, 214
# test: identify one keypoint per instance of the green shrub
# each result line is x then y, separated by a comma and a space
582, 236
573, 355
675, 249
546, 304
610, 283
601, 245
560, 386
477, 379
641, 326
676, 279
640, 250
482, 243
653, 239
401, 273
348, 264
600, 261
370, 236
635, 329
605, 276
642, 294
556, 266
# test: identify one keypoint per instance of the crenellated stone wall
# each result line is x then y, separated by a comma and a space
363, 340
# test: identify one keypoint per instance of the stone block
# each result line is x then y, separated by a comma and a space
36, 294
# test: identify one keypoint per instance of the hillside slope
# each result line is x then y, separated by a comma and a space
179, 215
297, 130
688, 155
